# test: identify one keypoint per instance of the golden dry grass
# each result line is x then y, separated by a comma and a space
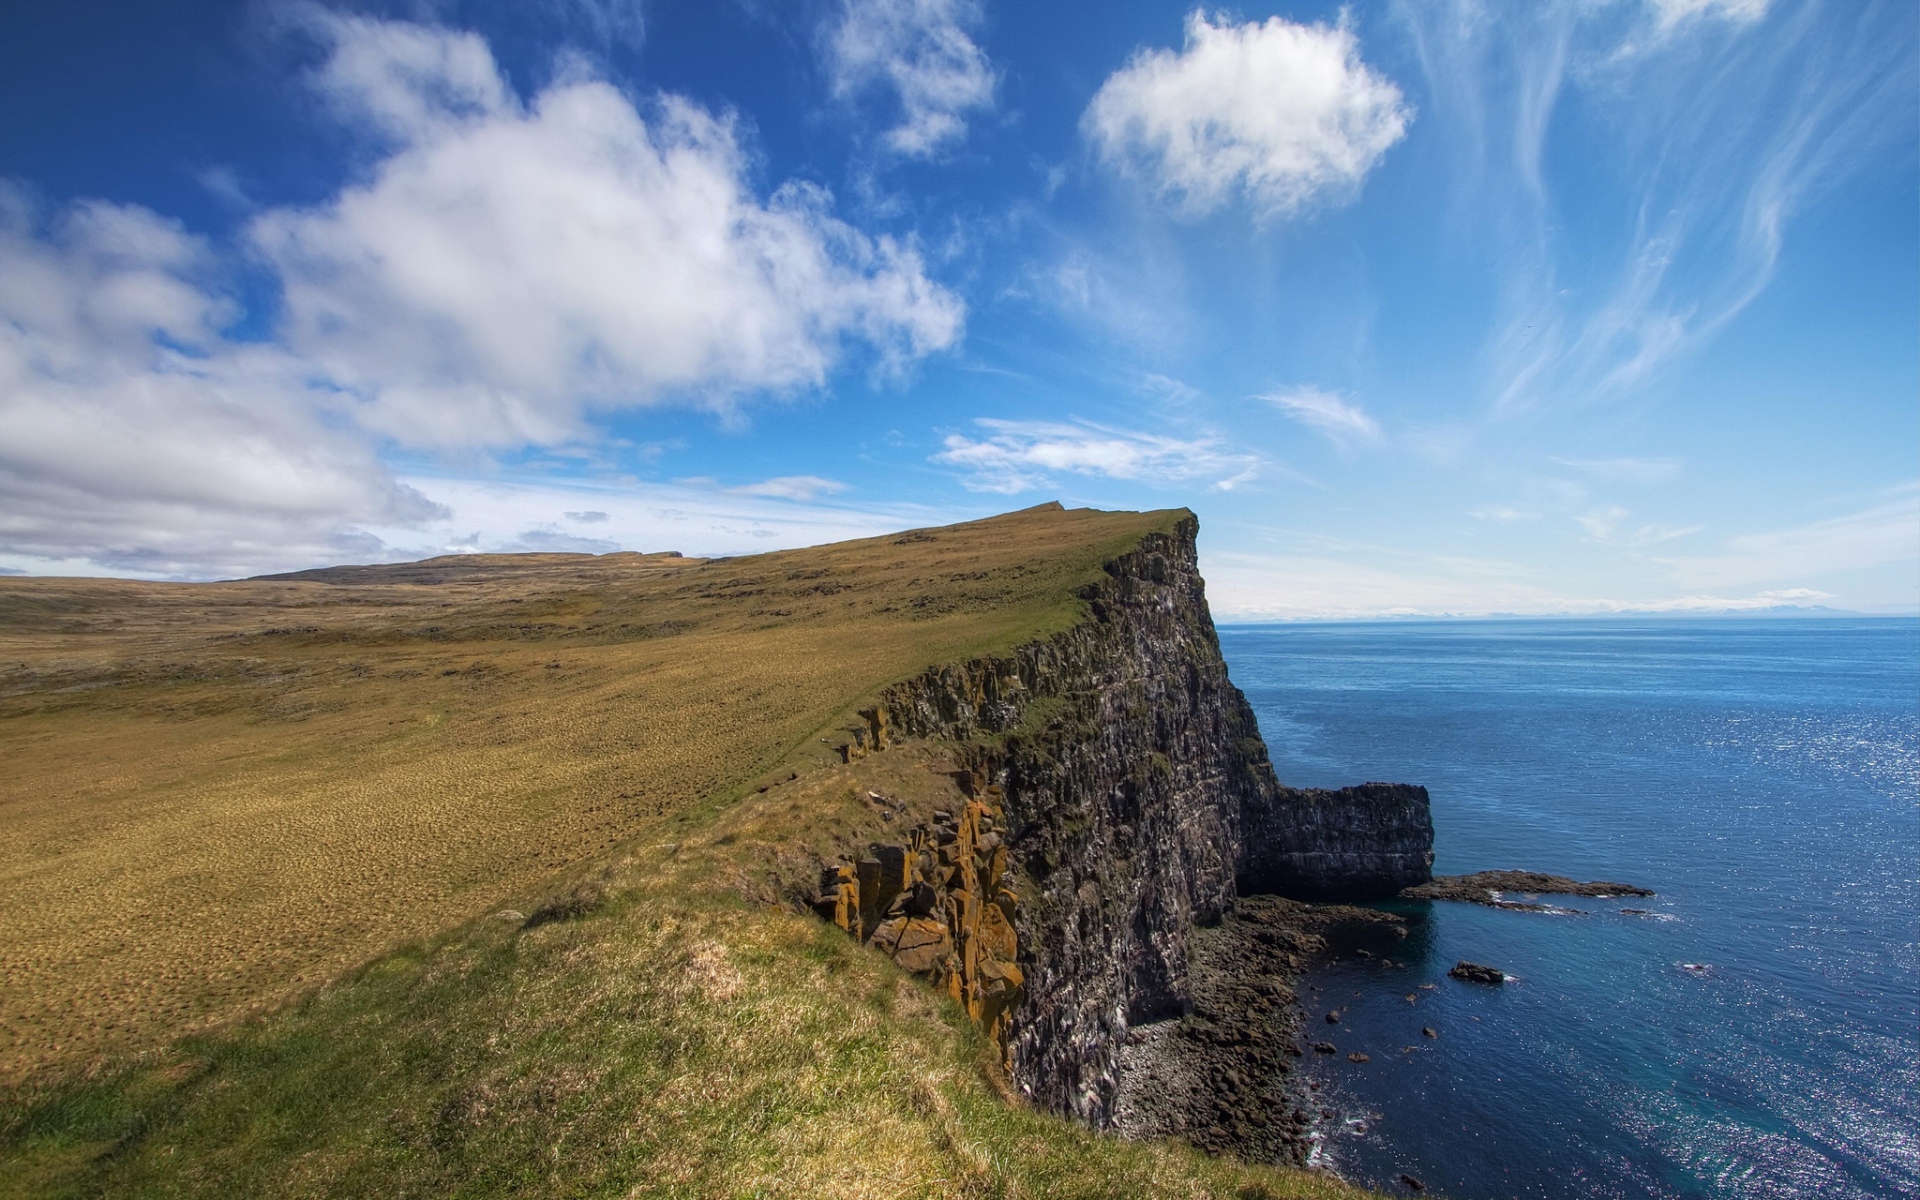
672, 1042
217, 796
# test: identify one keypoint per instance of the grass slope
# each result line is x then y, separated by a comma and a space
222, 796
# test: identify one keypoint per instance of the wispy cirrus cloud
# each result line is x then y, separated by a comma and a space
1720, 157
1018, 456
1668, 14
1883, 534
1625, 470
1609, 524
792, 487
923, 53
1341, 421
1280, 113
1502, 514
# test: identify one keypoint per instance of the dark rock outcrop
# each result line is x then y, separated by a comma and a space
1355, 843
1472, 972
1138, 803
1488, 888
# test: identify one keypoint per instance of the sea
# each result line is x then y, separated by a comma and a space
1753, 1032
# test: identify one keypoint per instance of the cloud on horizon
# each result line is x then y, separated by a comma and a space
1883, 534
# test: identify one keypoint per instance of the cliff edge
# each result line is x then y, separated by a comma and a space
1137, 802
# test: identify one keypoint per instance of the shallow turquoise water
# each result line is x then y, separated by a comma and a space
1763, 776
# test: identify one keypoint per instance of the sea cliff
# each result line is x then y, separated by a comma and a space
1121, 779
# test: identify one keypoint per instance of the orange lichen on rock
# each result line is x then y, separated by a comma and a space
942, 905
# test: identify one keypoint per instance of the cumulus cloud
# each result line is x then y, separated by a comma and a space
1342, 422
1018, 456
1285, 114
792, 487
923, 52
136, 436
511, 266
504, 269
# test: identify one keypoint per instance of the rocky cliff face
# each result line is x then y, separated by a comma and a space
1137, 801
1354, 843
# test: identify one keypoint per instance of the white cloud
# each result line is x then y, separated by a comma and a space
1344, 581
1019, 456
923, 52
1669, 13
511, 266
1715, 153
503, 270
1502, 514
1342, 422
1172, 390
1883, 534
1358, 582
1625, 470
696, 519
1609, 524
792, 487
135, 436
1284, 113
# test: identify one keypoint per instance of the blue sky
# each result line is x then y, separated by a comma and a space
1441, 307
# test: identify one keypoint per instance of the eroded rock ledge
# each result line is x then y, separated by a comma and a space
1126, 776
941, 904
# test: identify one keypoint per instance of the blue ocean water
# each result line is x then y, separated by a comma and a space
1756, 1033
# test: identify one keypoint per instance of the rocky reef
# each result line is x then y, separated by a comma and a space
1124, 780
1492, 887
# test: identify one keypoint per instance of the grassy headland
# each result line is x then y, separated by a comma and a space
261, 834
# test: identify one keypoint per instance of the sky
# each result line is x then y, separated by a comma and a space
1437, 307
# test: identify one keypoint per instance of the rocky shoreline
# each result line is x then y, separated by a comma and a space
1226, 1076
